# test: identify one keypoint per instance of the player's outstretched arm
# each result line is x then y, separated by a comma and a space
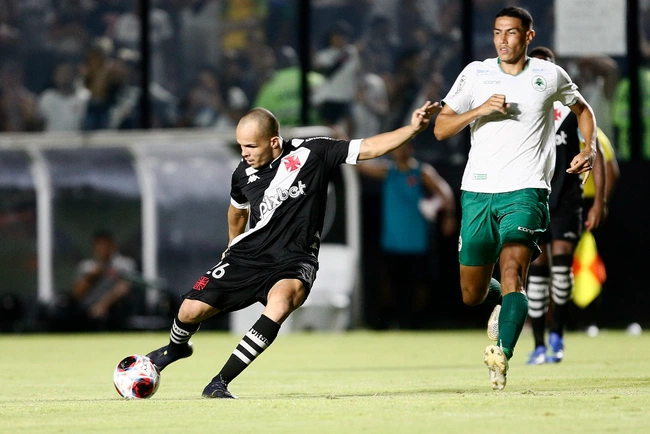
450, 123
381, 144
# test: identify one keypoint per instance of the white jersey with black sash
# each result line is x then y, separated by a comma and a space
286, 201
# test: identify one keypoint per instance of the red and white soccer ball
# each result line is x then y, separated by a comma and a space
136, 377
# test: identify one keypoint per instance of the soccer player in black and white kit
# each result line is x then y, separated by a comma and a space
279, 190
552, 269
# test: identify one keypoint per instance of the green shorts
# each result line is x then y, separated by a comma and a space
490, 220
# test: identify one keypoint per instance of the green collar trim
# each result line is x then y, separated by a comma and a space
525, 66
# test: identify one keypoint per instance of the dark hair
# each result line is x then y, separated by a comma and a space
103, 234
517, 12
544, 52
341, 28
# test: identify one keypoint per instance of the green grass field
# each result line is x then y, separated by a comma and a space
357, 382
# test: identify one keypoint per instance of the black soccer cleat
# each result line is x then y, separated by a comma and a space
163, 356
217, 388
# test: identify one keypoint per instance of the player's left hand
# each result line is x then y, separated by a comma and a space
582, 163
596, 215
422, 115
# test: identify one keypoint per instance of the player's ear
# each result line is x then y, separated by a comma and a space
530, 35
275, 142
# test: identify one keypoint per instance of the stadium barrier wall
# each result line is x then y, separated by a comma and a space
176, 185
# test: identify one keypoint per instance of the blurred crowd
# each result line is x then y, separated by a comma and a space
75, 65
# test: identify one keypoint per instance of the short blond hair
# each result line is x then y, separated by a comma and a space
267, 123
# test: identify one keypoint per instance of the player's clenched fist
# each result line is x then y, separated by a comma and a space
496, 103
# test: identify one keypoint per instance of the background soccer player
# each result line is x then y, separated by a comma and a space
553, 267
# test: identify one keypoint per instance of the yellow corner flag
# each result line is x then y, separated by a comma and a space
588, 271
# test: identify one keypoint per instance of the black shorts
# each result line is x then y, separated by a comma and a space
566, 221
230, 286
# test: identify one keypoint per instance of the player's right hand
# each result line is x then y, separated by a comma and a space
496, 103
421, 116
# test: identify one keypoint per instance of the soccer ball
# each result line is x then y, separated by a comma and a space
136, 377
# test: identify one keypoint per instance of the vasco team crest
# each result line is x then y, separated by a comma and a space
291, 163
539, 83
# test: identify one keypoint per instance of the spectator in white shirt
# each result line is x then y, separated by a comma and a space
63, 106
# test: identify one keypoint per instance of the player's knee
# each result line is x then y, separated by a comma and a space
472, 295
294, 299
188, 317
192, 312
289, 295
282, 302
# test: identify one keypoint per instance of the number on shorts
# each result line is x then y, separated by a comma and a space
219, 270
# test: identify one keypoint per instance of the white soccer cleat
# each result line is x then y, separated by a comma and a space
497, 364
493, 323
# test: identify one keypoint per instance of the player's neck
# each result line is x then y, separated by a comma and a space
514, 68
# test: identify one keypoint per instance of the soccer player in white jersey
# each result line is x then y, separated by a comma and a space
279, 189
508, 103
